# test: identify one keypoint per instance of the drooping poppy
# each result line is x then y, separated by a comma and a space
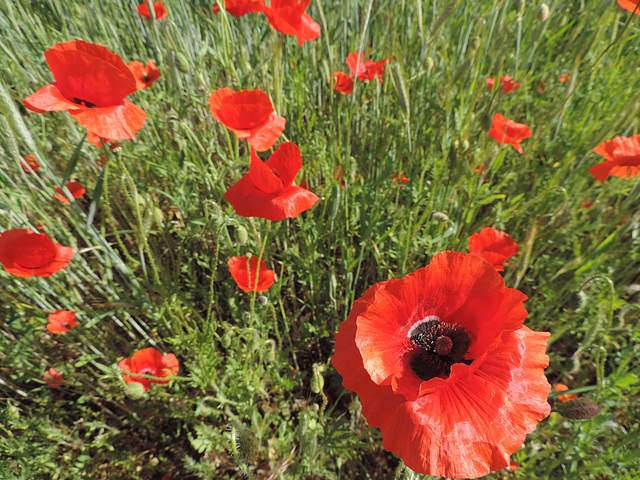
444, 366
249, 114
53, 377
561, 387
494, 246
366, 70
30, 161
508, 84
267, 191
630, 5
76, 188
24, 253
509, 132
243, 272
343, 83
144, 75
92, 85
149, 361
158, 8
239, 8
289, 17
622, 156
61, 321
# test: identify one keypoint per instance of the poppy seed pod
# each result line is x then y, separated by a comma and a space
543, 12
182, 64
135, 391
241, 235
578, 409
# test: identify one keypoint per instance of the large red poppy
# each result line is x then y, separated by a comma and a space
631, 5
249, 114
239, 8
622, 156
159, 10
366, 70
144, 75
91, 84
76, 188
53, 377
61, 321
444, 366
149, 361
494, 246
343, 83
508, 84
509, 132
243, 272
289, 17
267, 191
24, 253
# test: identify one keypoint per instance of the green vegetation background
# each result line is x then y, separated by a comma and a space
259, 397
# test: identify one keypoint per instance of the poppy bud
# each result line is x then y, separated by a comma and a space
182, 64
519, 4
244, 445
475, 43
543, 12
464, 145
578, 409
115, 147
486, 122
241, 235
317, 381
440, 217
262, 300
135, 391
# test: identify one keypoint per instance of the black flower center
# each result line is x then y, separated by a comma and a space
440, 346
84, 103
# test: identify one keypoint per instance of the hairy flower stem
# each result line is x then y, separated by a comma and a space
262, 249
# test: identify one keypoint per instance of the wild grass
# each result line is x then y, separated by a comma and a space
257, 395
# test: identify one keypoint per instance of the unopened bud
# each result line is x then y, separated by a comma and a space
135, 391
182, 64
486, 122
440, 217
317, 381
241, 235
543, 12
115, 147
244, 444
262, 300
578, 409
464, 145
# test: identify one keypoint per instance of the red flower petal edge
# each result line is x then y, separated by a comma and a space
243, 272
24, 253
494, 246
289, 17
53, 377
509, 132
159, 10
622, 156
61, 321
149, 361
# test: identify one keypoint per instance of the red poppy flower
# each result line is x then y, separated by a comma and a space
563, 77
149, 361
24, 253
541, 86
30, 161
246, 279
61, 321
479, 169
239, 8
561, 387
366, 70
267, 191
444, 366
509, 132
53, 377
508, 84
587, 204
343, 83
91, 84
631, 5
145, 76
401, 179
289, 17
158, 8
76, 189
622, 156
494, 246
249, 114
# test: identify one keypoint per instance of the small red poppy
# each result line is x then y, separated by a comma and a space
343, 83
622, 156
267, 191
401, 179
508, 84
586, 204
630, 5
494, 246
249, 114
91, 84
149, 361
366, 70
561, 387
30, 161
289, 17
509, 132
61, 321
144, 75
76, 188
563, 77
444, 366
24, 253
541, 86
246, 278
158, 8
239, 8
53, 377
479, 169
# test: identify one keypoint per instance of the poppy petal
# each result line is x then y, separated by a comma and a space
116, 122
48, 99
264, 137
607, 148
601, 171
263, 177
246, 279
286, 162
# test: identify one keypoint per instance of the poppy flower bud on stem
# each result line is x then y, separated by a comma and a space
440, 217
486, 122
578, 409
182, 64
543, 12
241, 235
244, 445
